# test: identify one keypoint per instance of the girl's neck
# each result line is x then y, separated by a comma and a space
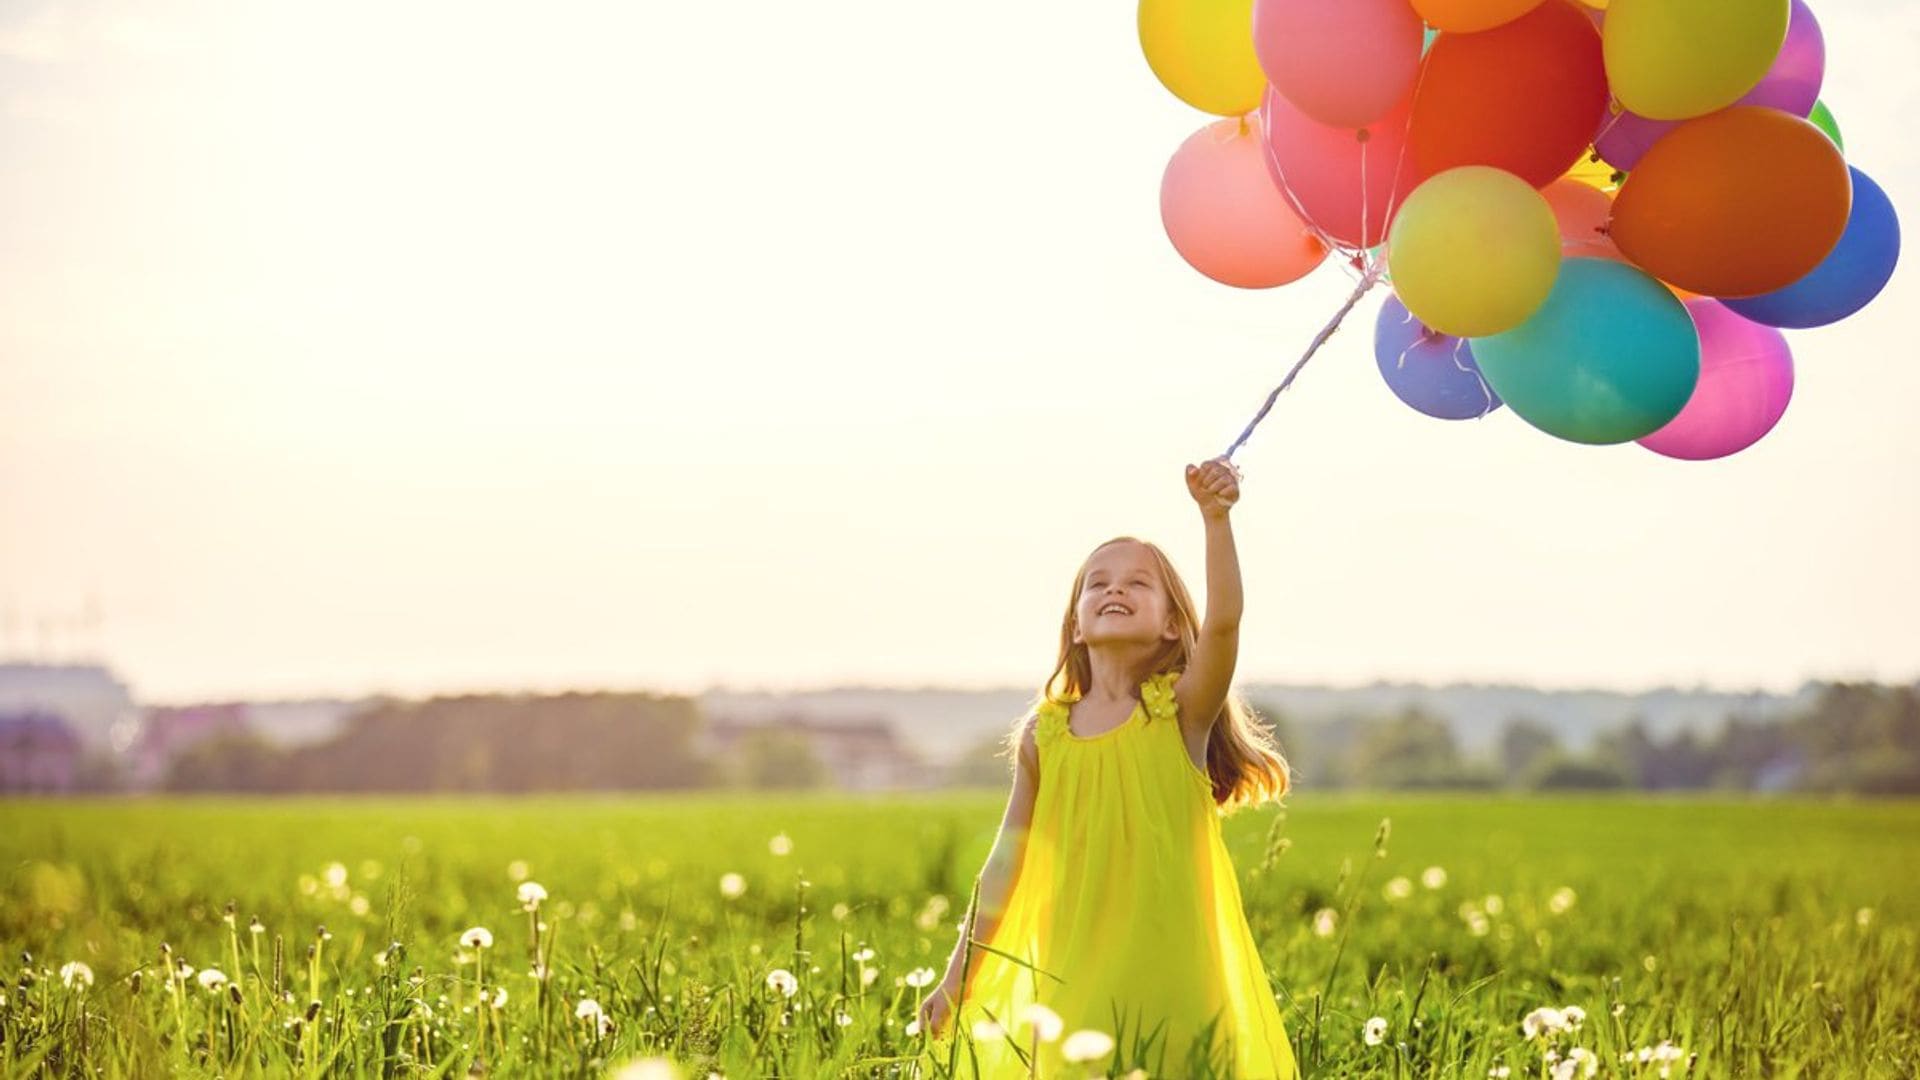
1117, 670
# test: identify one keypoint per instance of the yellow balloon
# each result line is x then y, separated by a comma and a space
1203, 51
1672, 59
1474, 251
1594, 172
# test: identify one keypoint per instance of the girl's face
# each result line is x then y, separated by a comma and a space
1122, 598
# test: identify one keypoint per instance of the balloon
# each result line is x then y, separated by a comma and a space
1224, 215
1850, 276
1672, 59
1431, 371
1346, 182
1792, 85
1746, 378
1202, 51
1474, 251
1610, 357
1822, 118
1345, 64
1525, 97
1467, 16
1698, 213
1593, 172
1581, 212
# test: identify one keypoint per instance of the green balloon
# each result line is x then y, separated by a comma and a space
1609, 358
1823, 119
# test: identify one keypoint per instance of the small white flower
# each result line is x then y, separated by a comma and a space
1398, 889
1561, 900
499, 998
1493, 904
1499, 1072
1375, 1032
1087, 1045
336, 875
212, 979
651, 1068
1325, 921
1574, 1014
783, 980
183, 972
842, 1020
987, 1031
1433, 877
781, 844
1543, 1021
75, 975
517, 870
478, 937
868, 976
1046, 1023
863, 955
1863, 916
1477, 924
732, 886
1579, 1062
530, 894
921, 977
590, 1011
913, 1028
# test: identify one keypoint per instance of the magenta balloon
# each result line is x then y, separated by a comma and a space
1226, 217
1344, 64
1341, 179
1791, 85
1746, 379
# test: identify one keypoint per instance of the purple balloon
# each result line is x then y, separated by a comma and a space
1791, 85
1746, 380
1433, 372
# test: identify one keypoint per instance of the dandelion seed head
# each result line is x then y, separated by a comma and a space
335, 875
732, 886
781, 844
842, 1020
212, 979
517, 870
783, 981
1086, 1045
1561, 900
913, 1027
1433, 877
1325, 922
987, 1031
478, 937
1046, 1023
1493, 905
647, 1068
530, 894
76, 975
863, 954
1398, 889
921, 977
1375, 1031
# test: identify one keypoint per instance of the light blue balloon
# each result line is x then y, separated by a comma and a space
1610, 357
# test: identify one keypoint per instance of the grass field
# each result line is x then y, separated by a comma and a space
1773, 938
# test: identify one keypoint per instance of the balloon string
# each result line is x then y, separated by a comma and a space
1367, 281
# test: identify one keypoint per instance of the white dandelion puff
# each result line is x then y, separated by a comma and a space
1499, 1072
913, 1028
75, 975
1574, 1014
1433, 877
1561, 900
1493, 905
921, 977
517, 870
212, 979
782, 980
1398, 889
530, 894
781, 844
842, 1020
1375, 1032
1325, 921
1543, 1021
1046, 1023
335, 875
478, 937
863, 955
648, 1068
987, 1031
732, 886
1086, 1045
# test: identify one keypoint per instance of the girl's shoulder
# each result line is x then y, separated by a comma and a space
1049, 720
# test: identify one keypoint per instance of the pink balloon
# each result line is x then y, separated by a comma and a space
1224, 215
1746, 379
1791, 85
1348, 182
1343, 64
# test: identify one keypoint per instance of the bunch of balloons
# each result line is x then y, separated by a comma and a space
1598, 212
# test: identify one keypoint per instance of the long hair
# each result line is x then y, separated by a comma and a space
1243, 761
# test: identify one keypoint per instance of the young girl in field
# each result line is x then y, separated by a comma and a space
1108, 878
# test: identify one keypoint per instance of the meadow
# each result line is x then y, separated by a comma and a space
745, 936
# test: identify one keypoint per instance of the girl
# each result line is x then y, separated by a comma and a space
1108, 878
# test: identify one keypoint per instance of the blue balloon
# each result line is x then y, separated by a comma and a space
1850, 276
1433, 372
1609, 358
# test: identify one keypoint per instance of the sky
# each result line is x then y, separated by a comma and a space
428, 346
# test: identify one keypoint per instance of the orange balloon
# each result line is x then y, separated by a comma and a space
1581, 211
1467, 16
1525, 97
1696, 212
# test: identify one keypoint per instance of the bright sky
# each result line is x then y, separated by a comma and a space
424, 346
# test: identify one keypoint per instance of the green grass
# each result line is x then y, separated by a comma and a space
1769, 938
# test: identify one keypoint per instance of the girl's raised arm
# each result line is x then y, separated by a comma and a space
1202, 690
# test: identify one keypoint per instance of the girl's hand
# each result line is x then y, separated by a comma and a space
936, 1009
1215, 485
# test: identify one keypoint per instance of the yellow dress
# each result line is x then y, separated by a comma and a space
1127, 894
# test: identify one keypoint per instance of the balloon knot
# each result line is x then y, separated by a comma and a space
1362, 135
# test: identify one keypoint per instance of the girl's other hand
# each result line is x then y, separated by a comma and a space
936, 1009
1215, 485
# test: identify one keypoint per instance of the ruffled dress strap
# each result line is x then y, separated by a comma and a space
1157, 695
1050, 722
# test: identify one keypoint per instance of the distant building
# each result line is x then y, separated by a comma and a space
39, 753
171, 730
860, 753
94, 703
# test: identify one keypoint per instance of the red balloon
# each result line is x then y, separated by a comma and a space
1349, 182
1525, 97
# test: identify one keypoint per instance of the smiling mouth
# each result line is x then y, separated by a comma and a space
1115, 609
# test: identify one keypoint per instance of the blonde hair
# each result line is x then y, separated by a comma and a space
1243, 761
